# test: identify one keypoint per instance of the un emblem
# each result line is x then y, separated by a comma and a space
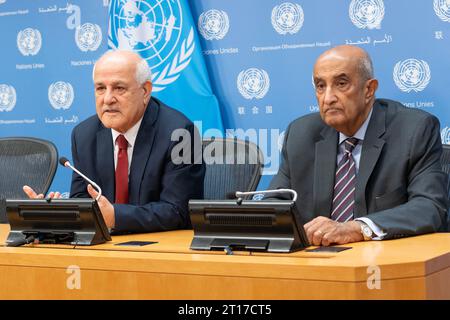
29, 41
287, 18
213, 24
253, 83
88, 37
366, 13
258, 197
60, 95
411, 75
155, 31
442, 9
445, 135
65, 195
7, 97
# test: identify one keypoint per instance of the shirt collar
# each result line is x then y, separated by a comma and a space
361, 133
130, 135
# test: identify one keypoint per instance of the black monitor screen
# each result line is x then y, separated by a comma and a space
250, 225
72, 221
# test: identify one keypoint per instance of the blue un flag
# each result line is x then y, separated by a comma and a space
163, 33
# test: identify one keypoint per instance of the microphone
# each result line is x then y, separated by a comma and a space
233, 195
65, 162
239, 194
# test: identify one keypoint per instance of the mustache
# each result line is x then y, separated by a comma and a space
113, 108
332, 108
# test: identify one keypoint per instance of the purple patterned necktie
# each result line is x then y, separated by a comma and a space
344, 187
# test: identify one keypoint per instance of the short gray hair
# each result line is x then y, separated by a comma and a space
365, 67
143, 71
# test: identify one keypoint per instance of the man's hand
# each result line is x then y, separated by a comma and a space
105, 206
323, 231
33, 195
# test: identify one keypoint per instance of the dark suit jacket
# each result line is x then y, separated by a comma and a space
159, 190
400, 184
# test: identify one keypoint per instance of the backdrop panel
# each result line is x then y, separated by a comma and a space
259, 55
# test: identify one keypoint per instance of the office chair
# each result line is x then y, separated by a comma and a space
231, 165
445, 162
24, 160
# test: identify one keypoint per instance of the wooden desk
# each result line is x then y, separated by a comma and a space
411, 268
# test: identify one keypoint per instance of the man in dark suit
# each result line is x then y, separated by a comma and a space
129, 150
363, 168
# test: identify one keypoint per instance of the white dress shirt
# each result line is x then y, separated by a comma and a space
130, 135
360, 134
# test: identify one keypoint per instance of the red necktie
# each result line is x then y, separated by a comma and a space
122, 171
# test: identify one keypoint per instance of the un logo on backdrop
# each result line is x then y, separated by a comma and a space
287, 18
213, 24
366, 13
442, 9
258, 197
411, 75
88, 37
253, 83
7, 97
60, 95
153, 31
445, 135
65, 195
29, 41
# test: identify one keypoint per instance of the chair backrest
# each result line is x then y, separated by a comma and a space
445, 162
24, 160
231, 165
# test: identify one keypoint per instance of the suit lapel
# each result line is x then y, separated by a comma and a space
142, 148
105, 162
324, 171
371, 150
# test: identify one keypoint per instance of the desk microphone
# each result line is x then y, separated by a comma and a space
65, 162
240, 194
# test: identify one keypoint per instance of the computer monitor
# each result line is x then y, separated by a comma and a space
62, 221
248, 225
